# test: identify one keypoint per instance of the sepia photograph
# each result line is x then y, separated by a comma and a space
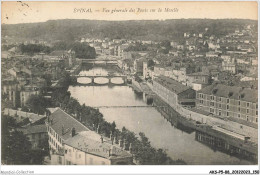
129, 83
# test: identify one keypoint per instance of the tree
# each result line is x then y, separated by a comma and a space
37, 104
84, 51
15, 145
150, 63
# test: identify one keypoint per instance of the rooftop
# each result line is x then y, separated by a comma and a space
232, 92
85, 140
171, 84
90, 142
61, 119
34, 129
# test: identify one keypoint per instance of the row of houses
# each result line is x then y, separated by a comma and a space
222, 101
184, 75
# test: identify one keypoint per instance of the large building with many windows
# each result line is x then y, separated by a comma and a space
173, 92
229, 101
72, 143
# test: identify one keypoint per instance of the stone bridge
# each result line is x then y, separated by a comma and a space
109, 77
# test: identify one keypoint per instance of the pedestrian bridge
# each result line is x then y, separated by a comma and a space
99, 61
148, 106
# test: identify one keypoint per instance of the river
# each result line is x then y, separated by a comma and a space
177, 143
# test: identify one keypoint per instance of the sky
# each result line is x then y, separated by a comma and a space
39, 11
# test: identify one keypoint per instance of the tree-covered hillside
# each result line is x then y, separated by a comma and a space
71, 29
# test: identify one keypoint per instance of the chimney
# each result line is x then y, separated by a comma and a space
101, 139
73, 132
62, 129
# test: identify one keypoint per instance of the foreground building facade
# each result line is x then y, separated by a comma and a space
72, 143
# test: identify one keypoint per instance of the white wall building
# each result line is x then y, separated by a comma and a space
72, 143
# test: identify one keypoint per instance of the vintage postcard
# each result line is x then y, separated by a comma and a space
129, 83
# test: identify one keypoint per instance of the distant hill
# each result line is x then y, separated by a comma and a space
71, 29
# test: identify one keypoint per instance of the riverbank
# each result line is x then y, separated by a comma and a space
143, 152
216, 139
216, 133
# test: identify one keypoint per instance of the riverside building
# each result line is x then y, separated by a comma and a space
72, 143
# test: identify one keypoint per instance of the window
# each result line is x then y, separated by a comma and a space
201, 101
227, 100
227, 113
239, 109
212, 104
256, 112
239, 103
211, 110
227, 106
220, 99
212, 97
256, 119
219, 112
247, 111
219, 105
247, 104
247, 118
238, 115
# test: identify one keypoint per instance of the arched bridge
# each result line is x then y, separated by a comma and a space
109, 77
101, 76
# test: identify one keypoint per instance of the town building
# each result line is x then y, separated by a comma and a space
138, 65
198, 80
72, 143
173, 92
11, 92
26, 93
229, 65
24, 118
229, 101
37, 135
